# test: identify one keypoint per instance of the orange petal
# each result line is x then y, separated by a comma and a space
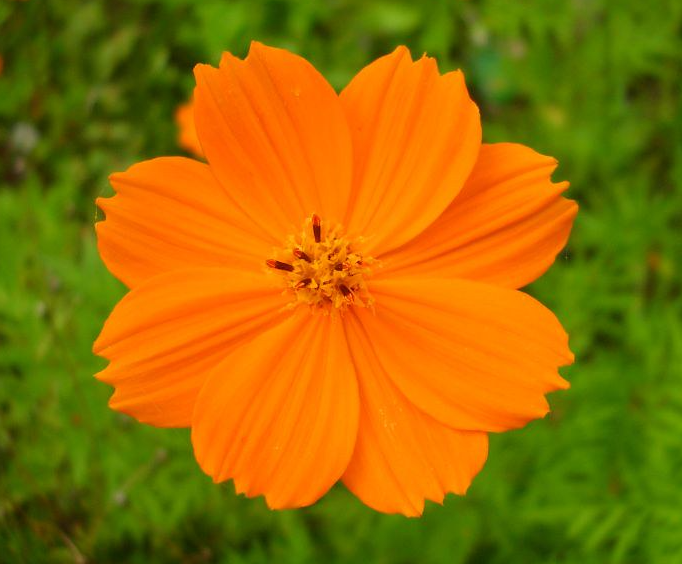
416, 135
505, 227
403, 456
170, 213
474, 356
187, 131
280, 414
167, 334
276, 137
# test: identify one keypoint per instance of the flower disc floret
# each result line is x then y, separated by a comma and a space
323, 269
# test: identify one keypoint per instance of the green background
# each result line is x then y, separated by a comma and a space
90, 87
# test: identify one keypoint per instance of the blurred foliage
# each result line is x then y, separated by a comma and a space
89, 87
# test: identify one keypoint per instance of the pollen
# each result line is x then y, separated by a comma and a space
323, 269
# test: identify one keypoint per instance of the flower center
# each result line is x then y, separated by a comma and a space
323, 269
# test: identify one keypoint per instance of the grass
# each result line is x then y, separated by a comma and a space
90, 87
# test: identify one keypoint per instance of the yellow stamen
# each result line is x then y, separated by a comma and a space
323, 269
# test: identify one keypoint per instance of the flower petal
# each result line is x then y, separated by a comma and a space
505, 227
474, 356
170, 213
166, 335
276, 137
403, 456
280, 414
416, 135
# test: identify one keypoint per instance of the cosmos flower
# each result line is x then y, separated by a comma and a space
334, 295
187, 132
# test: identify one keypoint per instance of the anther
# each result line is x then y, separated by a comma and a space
317, 230
279, 265
342, 266
347, 293
298, 253
302, 283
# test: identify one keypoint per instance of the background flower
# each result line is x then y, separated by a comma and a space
187, 132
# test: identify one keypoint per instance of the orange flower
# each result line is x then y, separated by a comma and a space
187, 133
334, 295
